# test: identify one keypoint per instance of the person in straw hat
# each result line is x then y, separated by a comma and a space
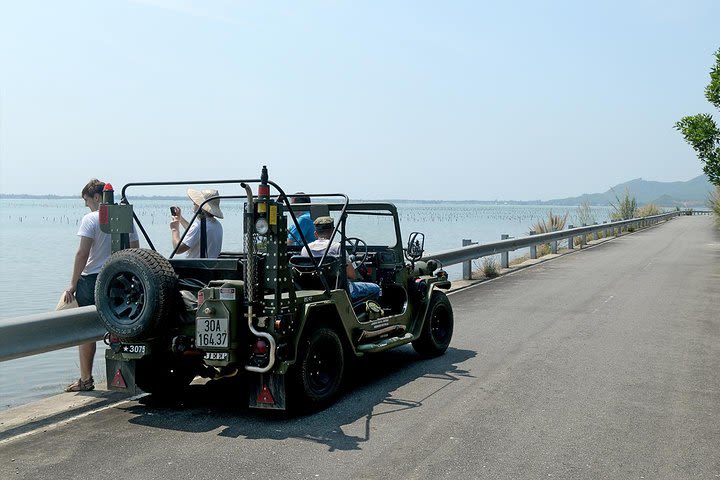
213, 228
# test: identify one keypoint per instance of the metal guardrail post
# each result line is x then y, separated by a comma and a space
553, 247
467, 265
533, 248
571, 239
504, 256
596, 234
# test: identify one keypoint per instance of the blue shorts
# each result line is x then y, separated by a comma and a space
360, 290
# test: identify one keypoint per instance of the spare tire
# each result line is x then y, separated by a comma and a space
135, 292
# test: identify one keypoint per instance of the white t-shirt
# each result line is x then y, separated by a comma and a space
214, 238
102, 242
318, 248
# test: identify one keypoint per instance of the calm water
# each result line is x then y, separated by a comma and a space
38, 242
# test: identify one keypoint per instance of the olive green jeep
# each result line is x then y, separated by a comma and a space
282, 322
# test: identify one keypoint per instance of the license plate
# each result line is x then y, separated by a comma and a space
133, 349
211, 332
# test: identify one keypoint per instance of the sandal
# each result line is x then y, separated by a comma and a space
81, 385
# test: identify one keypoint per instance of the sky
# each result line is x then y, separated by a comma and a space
447, 100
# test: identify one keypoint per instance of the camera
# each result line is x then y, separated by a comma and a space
173, 211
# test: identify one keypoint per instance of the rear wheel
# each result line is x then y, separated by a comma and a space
135, 292
320, 367
438, 327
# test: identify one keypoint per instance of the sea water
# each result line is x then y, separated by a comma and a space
38, 241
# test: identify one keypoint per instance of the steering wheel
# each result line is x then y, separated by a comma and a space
357, 249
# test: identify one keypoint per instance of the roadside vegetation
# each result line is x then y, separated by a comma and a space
623, 208
714, 204
703, 135
490, 267
553, 223
648, 210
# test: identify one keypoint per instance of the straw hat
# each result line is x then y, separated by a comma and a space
199, 196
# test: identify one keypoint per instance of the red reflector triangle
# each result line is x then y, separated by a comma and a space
118, 380
265, 396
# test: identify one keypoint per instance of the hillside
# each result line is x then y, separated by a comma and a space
692, 193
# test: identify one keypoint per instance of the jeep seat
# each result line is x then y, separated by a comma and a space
307, 277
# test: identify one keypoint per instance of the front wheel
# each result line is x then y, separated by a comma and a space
319, 369
438, 327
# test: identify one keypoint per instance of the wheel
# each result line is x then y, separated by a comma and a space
320, 366
135, 292
357, 249
164, 374
438, 327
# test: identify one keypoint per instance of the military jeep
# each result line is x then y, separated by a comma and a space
282, 322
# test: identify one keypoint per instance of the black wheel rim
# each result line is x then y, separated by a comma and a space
440, 325
126, 295
323, 366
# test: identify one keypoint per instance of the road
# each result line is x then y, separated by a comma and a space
598, 364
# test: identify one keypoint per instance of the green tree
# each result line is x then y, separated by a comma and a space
701, 132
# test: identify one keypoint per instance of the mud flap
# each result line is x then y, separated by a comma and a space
266, 391
120, 373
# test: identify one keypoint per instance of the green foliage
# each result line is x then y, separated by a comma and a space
701, 132
585, 214
625, 208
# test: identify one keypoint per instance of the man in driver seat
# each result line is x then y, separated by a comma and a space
323, 231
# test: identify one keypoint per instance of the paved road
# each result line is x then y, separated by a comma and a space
599, 364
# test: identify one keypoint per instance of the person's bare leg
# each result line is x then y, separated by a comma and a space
87, 354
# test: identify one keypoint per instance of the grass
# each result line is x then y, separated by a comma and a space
553, 223
490, 267
625, 208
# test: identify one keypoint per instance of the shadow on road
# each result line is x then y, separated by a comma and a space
368, 393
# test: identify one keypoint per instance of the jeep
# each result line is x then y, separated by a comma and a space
281, 321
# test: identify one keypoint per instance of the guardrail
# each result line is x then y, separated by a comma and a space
44, 332
469, 251
33, 334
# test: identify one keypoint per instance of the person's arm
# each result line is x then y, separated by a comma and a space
350, 271
175, 232
81, 257
185, 224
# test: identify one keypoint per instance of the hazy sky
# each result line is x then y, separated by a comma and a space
379, 99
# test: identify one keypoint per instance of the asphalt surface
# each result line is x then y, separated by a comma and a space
603, 363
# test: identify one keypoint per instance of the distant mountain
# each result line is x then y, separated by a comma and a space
693, 193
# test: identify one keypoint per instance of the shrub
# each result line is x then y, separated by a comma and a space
585, 215
625, 208
553, 223
489, 267
648, 210
714, 203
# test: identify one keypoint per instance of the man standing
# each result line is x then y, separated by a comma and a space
93, 252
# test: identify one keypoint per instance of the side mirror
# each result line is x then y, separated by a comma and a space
415, 246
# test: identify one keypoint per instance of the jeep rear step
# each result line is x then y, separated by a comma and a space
385, 344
